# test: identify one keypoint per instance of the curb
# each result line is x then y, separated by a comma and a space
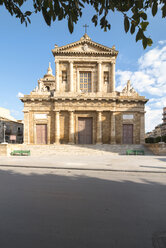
81, 169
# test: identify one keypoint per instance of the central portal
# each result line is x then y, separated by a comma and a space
85, 130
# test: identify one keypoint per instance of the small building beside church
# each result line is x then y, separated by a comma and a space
80, 104
11, 130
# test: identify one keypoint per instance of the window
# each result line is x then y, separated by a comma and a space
64, 76
106, 77
85, 82
48, 88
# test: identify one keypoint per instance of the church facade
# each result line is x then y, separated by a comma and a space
79, 105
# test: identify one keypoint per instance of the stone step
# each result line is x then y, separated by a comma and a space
38, 150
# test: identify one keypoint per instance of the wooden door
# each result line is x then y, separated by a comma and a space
85, 130
41, 134
127, 134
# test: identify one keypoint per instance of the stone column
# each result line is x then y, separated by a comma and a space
49, 129
142, 128
71, 77
112, 135
99, 78
113, 76
71, 127
99, 127
57, 127
26, 127
57, 75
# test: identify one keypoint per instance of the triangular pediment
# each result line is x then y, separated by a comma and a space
84, 46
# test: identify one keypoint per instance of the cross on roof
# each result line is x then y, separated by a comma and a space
85, 26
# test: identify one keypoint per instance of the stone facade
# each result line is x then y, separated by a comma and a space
79, 105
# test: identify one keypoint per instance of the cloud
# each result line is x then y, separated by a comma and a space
14, 112
162, 42
20, 94
149, 80
152, 117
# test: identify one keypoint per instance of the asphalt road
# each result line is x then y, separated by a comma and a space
72, 209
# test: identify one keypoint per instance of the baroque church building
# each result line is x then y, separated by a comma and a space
80, 105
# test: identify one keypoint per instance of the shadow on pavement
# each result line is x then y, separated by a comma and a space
47, 209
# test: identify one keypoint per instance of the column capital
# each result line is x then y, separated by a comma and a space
71, 61
56, 61
99, 62
113, 62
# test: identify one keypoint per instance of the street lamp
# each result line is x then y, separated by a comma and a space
4, 130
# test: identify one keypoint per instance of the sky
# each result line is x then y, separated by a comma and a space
26, 51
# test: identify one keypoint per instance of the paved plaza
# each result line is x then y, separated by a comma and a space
105, 162
45, 206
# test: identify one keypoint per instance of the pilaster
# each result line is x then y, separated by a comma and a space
99, 88
113, 76
57, 127
57, 75
142, 128
112, 135
26, 127
71, 127
99, 127
71, 88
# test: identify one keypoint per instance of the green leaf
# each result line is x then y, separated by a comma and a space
70, 24
28, 13
132, 29
126, 24
143, 15
144, 25
144, 42
95, 19
28, 19
139, 35
154, 8
163, 11
149, 41
46, 16
101, 11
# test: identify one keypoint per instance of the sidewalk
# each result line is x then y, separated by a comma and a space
123, 163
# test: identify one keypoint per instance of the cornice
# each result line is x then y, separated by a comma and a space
108, 50
28, 98
112, 53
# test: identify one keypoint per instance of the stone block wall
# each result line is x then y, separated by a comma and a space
3, 149
157, 148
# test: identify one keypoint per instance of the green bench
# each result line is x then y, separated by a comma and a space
20, 153
135, 152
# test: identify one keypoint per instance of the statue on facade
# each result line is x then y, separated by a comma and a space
128, 90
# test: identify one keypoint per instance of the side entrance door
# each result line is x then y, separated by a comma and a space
127, 134
41, 134
85, 130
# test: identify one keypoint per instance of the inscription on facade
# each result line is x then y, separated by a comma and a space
40, 116
128, 117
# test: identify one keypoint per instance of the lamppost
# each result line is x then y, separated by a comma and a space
4, 130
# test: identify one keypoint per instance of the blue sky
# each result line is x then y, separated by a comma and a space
26, 51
